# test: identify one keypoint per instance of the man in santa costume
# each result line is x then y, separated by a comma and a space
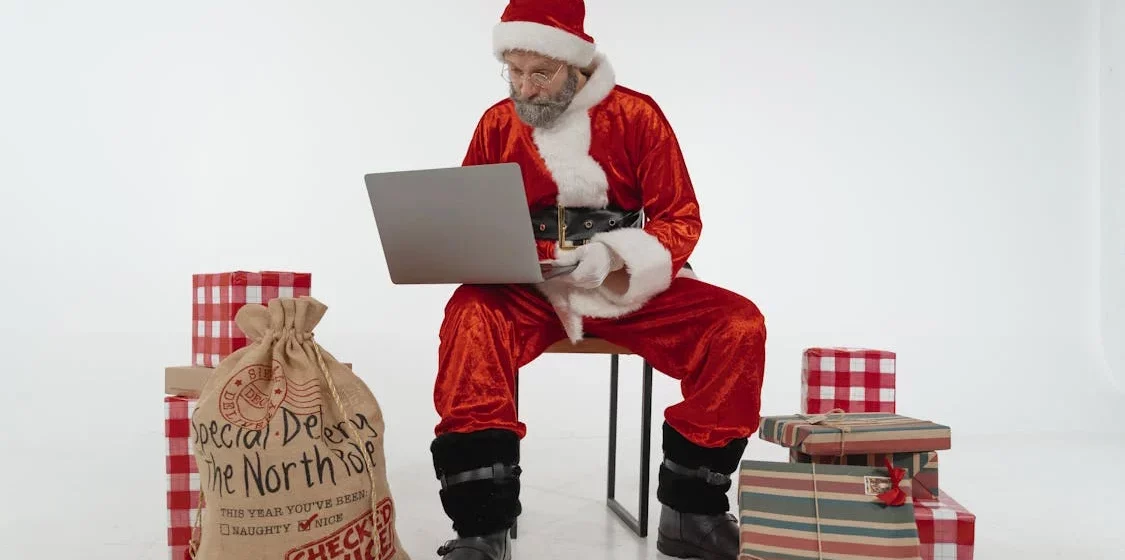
608, 190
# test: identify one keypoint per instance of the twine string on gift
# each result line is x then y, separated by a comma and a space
826, 419
895, 496
193, 542
842, 421
816, 510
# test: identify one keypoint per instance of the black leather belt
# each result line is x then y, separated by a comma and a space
578, 225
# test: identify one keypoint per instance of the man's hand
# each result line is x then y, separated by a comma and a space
595, 262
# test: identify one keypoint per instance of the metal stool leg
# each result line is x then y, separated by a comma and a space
638, 524
515, 524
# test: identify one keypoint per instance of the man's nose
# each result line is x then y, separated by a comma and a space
527, 89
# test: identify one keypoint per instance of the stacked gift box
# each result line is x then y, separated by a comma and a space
850, 379
216, 300
862, 481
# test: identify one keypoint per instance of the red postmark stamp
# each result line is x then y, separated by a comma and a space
252, 396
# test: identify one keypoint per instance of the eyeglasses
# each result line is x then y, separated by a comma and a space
538, 79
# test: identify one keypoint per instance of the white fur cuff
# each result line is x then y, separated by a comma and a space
648, 266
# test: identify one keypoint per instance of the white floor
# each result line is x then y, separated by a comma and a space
1035, 499
96, 491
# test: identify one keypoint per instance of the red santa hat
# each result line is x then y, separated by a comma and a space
549, 27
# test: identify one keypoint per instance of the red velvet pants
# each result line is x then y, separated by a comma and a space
710, 339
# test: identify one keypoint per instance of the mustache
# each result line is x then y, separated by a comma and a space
542, 100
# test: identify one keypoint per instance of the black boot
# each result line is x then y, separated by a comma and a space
693, 485
480, 487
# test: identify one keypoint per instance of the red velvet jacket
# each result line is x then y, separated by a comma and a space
612, 146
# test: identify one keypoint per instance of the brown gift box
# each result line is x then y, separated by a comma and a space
185, 381
188, 381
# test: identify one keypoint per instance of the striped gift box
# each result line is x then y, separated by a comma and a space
851, 433
922, 468
792, 511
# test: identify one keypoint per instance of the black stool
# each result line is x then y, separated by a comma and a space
638, 523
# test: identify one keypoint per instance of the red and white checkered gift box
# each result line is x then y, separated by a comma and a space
217, 299
183, 474
946, 530
850, 379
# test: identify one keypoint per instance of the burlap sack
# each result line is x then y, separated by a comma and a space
290, 451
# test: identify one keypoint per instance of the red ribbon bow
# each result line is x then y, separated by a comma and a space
895, 496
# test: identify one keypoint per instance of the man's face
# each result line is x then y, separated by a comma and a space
541, 88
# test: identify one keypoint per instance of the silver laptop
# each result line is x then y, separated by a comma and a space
459, 225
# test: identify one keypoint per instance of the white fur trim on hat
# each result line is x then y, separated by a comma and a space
542, 39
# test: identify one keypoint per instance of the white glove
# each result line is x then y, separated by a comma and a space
595, 262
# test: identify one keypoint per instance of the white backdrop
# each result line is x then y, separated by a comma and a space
1113, 184
918, 176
